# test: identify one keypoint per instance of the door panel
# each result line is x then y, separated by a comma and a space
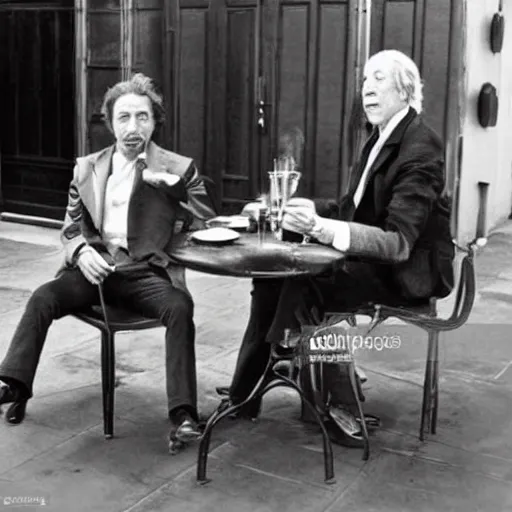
37, 104
250, 70
333, 97
429, 31
192, 82
241, 143
310, 52
102, 66
215, 93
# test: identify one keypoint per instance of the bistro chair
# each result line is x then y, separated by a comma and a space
425, 317
109, 321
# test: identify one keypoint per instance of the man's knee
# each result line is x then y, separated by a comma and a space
43, 300
179, 306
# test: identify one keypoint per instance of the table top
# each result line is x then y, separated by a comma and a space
248, 257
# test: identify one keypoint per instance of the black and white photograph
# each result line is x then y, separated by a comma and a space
256, 255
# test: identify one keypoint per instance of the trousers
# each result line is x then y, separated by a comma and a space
148, 292
274, 304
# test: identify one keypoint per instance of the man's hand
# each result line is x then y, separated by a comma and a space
93, 266
159, 178
299, 215
252, 210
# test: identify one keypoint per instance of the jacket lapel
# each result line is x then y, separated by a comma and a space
102, 172
391, 143
154, 163
92, 185
361, 164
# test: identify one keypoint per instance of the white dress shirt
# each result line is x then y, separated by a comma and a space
341, 229
117, 196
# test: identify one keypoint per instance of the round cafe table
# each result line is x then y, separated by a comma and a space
249, 257
254, 257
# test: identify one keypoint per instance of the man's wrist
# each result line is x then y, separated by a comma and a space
322, 232
82, 250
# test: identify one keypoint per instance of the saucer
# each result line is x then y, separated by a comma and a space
215, 236
237, 222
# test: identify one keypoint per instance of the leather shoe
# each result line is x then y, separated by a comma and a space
184, 429
16, 412
249, 411
188, 431
338, 436
7, 394
222, 390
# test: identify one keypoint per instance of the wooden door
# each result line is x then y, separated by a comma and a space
430, 32
214, 92
309, 60
99, 66
292, 59
115, 38
37, 103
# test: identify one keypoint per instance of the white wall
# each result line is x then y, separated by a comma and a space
487, 152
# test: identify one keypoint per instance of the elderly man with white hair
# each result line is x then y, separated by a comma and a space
393, 225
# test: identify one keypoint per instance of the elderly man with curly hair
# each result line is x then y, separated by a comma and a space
125, 204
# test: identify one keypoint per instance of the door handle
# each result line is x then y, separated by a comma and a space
261, 105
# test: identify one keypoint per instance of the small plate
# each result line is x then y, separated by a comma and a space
215, 236
237, 222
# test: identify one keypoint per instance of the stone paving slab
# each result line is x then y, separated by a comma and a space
276, 463
397, 483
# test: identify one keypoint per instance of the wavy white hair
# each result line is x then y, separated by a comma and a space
406, 75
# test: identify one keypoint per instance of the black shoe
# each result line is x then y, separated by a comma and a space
16, 412
222, 390
7, 394
338, 436
184, 429
249, 411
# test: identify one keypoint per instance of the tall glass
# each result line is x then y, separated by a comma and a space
284, 180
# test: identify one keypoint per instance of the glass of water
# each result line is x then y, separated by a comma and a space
284, 180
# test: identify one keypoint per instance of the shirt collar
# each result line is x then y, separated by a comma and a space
120, 159
393, 123
121, 165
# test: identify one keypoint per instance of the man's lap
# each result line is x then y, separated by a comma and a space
70, 291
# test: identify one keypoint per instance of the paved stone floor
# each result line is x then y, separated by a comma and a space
274, 464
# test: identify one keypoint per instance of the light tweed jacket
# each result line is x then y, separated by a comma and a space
154, 214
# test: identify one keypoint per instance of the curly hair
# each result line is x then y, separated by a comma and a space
138, 84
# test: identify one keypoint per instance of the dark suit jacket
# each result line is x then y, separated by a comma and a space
403, 220
154, 213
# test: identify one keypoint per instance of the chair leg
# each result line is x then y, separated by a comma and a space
328, 455
355, 391
430, 386
435, 383
108, 382
313, 388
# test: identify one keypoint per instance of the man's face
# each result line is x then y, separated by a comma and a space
133, 123
381, 99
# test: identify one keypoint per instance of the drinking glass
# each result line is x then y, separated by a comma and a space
284, 180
